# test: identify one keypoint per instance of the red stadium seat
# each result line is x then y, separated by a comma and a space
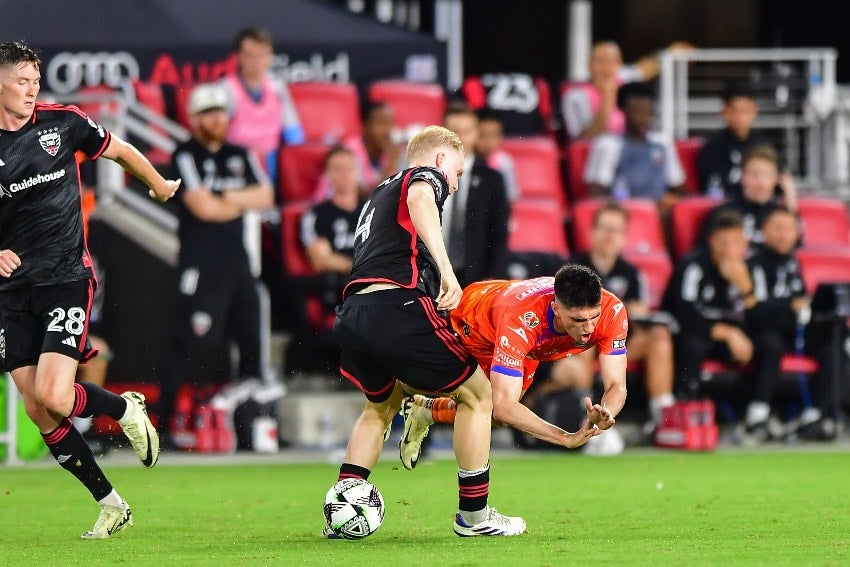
656, 269
576, 156
686, 217
299, 170
295, 261
329, 112
537, 168
823, 266
181, 105
537, 226
644, 232
688, 150
96, 101
825, 223
412, 103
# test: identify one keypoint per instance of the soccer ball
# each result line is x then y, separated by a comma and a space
354, 508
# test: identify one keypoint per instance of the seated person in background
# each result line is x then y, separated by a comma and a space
590, 109
705, 295
488, 147
760, 183
327, 230
648, 341
719, 160
774, 312
522, 102
639, 163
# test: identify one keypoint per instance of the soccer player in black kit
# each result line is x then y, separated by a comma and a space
47, 279
391, 330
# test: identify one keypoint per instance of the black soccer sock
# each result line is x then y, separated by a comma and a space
347, 470
91, 400
473, 489
73, 454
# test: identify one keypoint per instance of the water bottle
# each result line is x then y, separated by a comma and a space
620, 190
715, 187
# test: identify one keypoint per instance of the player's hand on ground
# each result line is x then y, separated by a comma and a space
598, 415
581, 436
450, 292
9, 262
166, 192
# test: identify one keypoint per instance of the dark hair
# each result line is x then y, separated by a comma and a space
458, 108
765, 152
577, 286
370, 108
14, 52
726, 219
258, 34
487, 115
335, 150
737, 88
610, 207
629, 91
780, 209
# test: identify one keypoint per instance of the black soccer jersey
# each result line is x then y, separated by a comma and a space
386, 246
231, 168
41, 217
337, 225
624, 280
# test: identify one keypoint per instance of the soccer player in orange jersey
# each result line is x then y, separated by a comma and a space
510, 327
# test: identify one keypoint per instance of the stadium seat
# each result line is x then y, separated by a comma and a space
688, 150
656, 268
181, 105
329, 112
825, 223
299, 170
150, 96
95, 103
823, 266
686, 217
537, 226
537, 168
576, 155
644, 232
413, 103
295, 262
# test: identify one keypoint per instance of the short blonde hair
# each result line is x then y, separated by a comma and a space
431, 138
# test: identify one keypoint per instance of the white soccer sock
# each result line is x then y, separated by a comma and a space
112, 499
657, 405
127, 411
82, 424
809, 416
757, 412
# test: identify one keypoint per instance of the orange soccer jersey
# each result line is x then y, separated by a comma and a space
508, 326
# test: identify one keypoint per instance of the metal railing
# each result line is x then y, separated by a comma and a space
9, 437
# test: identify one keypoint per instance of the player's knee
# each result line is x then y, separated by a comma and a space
661, 341
52, 398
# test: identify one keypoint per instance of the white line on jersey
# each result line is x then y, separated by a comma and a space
2, 162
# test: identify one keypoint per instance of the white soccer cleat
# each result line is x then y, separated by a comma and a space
417, 421
139, 430
112, 519
496, 524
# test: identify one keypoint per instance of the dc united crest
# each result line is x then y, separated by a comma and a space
50, 142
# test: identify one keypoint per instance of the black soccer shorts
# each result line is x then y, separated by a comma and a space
51, 318
398, 334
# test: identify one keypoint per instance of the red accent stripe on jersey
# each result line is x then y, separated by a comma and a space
87, 255
59, 433
360, 386
406, 223
459, 380
441, 328
57, 106
80, 398
107, 139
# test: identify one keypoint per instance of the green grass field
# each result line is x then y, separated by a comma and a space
649, 508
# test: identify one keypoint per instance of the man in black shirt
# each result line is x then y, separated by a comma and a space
391, 330
47, 276
220, 295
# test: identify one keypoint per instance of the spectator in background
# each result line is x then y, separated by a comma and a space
490, 137
775, 313
261, 108
475, 219
521, 101
705, 294
638, 163
720, 159
762, 188
649, 340
590, 109
220, 296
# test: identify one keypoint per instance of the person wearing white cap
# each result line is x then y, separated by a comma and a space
220, 296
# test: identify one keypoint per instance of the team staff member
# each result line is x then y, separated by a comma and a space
510, 327
400, 279
48, 281
220, 295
